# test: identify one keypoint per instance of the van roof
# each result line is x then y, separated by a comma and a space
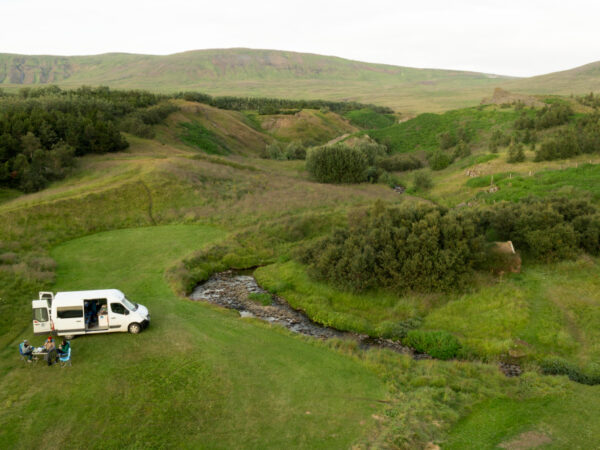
75, 297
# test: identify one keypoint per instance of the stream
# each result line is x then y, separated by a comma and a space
233, 290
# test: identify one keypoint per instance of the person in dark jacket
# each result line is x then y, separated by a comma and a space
63, 348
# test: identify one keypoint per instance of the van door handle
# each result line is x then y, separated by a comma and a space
78, 321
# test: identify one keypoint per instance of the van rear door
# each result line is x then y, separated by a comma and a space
41, 317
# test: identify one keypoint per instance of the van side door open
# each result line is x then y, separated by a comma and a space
41, 317
69, 319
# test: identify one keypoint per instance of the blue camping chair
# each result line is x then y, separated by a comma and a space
24, 357
65, 360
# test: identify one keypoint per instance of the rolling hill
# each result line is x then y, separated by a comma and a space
580, 80
283, 74
257, 73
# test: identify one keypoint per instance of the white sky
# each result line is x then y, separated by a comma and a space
526, 37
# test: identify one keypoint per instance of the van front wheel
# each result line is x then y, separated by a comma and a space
135, 328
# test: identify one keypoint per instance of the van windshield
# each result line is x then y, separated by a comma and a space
130, 305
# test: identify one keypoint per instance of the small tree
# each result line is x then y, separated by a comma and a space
423, 181
515, 153
438, 160
295, 150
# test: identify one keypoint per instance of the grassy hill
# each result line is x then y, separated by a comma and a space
271, 73
248, 72
579, 80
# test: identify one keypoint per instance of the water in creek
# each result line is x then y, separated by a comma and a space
232, 290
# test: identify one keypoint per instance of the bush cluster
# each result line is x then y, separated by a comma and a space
341, 163
545, 229
429, 248
591, 100
420, 247
140, 122
570, 142
549, 116
497, 140
438, 344
276, 150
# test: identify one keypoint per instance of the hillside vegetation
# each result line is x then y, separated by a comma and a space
271, 73
258, 73
206, 189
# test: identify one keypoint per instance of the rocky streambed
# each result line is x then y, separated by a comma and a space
242, 293
235, 291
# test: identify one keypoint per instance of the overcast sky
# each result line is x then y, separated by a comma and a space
506, 37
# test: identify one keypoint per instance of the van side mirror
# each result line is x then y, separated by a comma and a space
126, 312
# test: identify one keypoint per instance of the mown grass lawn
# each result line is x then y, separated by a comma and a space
197, 377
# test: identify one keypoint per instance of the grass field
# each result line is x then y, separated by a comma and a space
197, 376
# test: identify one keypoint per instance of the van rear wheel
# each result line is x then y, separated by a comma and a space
135, 328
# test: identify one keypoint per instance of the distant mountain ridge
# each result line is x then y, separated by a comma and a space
273, 73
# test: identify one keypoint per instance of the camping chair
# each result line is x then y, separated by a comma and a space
65, 360
25, 358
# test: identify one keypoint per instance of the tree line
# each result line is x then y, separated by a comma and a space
265, 105
43, 129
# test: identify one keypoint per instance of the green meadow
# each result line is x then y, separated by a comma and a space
197, 376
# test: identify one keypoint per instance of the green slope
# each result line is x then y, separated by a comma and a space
579, 80
258, 73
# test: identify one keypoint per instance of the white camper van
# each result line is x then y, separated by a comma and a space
87, 312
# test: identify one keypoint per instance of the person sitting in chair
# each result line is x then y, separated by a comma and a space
63, 348
50, 349
26, 349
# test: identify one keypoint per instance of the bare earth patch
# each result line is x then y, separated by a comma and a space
527, 440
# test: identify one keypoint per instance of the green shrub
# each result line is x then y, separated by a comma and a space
337, 164
423, 181
553, 115
516, 153
438, 160
560, 366
562, 145
462, 150
295, 150
274, 150
390, 180
498, 139
438, 344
